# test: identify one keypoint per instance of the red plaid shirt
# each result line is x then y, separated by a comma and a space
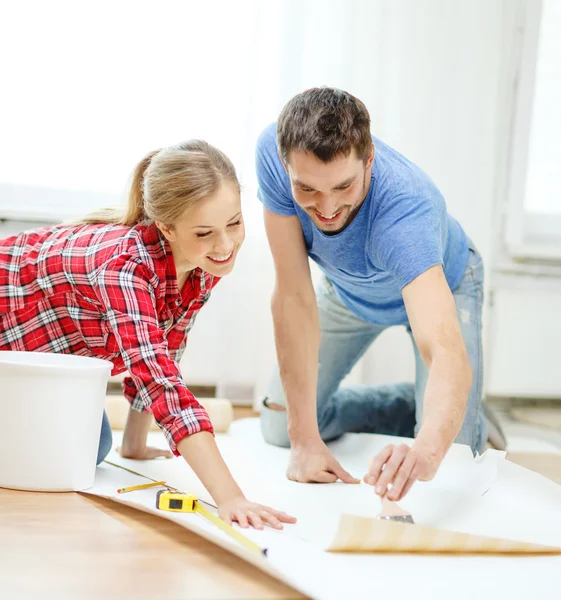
110, 292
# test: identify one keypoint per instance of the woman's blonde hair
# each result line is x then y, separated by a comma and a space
169, 181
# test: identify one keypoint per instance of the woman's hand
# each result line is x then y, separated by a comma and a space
134, 438
248, 513
202, 454
143, 452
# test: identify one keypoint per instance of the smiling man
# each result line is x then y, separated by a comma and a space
377, 227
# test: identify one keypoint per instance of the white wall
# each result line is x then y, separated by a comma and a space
525, 324
432, 81
524, 356
437, 77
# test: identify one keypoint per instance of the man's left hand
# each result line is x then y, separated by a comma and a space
400, 466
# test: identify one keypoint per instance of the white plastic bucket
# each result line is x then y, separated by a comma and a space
51, 407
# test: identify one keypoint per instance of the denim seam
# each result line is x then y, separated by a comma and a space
479, 388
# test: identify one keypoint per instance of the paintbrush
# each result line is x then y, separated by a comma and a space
391, 511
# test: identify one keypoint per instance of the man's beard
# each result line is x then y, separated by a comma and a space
352, 214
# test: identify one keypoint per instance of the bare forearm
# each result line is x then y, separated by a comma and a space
445, 400
297, 341
136, 431
202, 454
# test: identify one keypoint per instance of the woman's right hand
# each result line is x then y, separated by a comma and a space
202, 454
248, 513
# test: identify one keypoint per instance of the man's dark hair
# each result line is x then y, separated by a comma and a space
326, 121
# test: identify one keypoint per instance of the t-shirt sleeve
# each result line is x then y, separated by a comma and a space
407, 237
273, 185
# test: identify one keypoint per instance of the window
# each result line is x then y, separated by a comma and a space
533, 226
89, 89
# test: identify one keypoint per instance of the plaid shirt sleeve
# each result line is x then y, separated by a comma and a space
126, 288
129, 389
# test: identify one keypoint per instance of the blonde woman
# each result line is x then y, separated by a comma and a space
127, 287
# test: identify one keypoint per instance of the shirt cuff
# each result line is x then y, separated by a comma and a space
189, 421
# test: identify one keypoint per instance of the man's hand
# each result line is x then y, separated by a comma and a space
400, 466
314, 463
143, 453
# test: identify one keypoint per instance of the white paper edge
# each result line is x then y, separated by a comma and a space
232, 547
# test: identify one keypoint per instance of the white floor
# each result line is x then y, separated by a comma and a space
520, 437
521, 506
529, 438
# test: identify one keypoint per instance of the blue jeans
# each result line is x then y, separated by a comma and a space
105, 439
394, 409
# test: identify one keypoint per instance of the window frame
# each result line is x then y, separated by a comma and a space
527, 236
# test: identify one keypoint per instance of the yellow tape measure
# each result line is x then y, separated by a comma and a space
174, 501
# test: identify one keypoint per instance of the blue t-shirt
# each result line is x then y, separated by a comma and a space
401, 230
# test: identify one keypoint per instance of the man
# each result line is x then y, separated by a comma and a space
377, 227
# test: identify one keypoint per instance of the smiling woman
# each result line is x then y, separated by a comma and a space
126, 285
211, 247
191, 193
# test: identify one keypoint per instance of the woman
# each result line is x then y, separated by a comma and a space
127, 287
